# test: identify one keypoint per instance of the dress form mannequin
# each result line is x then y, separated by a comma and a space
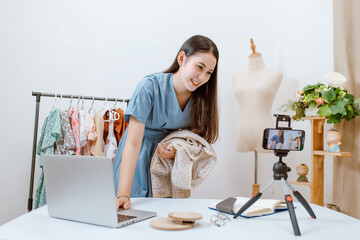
255, 91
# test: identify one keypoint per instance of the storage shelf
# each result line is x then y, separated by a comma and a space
317, 159
310, 118
301, 183
334, 154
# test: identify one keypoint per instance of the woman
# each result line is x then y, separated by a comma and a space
277, 141
183, 97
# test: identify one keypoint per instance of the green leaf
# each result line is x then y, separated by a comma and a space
299, 113
342, 93
334, 118
338, 107
312, 105
311, 87
329, 96
324, 111
350, 112
349, 98
309, 98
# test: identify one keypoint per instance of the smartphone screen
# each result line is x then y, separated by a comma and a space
284, 139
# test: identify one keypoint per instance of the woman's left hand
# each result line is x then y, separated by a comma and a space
164, 153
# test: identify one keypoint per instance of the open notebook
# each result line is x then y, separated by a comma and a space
260, 208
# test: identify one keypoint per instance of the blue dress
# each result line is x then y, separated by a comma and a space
154, 104
276, 139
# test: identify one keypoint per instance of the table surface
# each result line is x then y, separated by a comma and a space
328, 225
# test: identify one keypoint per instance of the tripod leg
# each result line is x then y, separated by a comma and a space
290, 205
302, 200
252, 200
248, 204
291, 210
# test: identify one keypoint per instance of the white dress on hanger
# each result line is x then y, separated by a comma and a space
110, 142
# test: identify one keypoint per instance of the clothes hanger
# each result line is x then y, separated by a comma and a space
104, 107
112, 114
78, 102
82, 103
71, 96
116, 115
122, 105
54, 104
61, 98
92, 105
116, 101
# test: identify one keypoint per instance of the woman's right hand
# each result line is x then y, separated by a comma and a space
165, 153
123, 202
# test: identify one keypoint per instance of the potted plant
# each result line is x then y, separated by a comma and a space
331, 101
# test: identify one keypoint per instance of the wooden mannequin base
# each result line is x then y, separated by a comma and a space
170, 224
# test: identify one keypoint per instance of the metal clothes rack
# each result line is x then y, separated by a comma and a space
38, 97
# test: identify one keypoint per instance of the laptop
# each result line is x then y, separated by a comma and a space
81, 188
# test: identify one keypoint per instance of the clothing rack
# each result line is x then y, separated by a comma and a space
38, 97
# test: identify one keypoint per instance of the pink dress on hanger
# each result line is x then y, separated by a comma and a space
75, 126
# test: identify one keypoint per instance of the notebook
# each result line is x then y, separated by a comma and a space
260, 208
81, 188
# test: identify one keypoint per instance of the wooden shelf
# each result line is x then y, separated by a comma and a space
317, 160
301, 183
334, 154
312, 118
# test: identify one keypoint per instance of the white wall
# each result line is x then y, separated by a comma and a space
103, 48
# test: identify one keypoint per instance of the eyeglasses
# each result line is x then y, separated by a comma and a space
219, 219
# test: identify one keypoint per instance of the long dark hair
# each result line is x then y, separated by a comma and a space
281, 139
204, 119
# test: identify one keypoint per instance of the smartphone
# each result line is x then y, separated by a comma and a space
283, 139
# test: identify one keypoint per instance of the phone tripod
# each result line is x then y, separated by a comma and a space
280, 170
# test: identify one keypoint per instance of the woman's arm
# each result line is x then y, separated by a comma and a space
129, 159
270, 145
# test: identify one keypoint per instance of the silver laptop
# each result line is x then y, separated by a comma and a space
81, 188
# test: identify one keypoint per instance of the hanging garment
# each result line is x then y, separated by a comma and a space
194, 159
90, 131
50, 135
66, 144
120, 125
110, 142
154, 104
75, 126
97, 146
82, 114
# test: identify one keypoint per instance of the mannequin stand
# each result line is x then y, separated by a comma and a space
280, 170
255, 186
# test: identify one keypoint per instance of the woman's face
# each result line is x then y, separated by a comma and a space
280, 133
196, 69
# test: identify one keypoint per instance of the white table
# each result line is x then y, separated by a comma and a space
328, 225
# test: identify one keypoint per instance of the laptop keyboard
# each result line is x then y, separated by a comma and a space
122, 218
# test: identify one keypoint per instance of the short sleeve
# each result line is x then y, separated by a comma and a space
141, 102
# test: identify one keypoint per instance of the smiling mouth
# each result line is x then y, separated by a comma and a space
195, 83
